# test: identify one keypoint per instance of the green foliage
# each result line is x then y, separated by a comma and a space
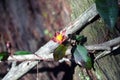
76, 37
80, 53
79, 37
59, 52
4, 56
22, 53
108, 10
82, 57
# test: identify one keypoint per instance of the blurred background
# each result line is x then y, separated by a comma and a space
29, 24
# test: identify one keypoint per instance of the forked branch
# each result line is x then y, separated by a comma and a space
49, 47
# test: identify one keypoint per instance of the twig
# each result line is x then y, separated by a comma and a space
106, 45
98, 47
106, 53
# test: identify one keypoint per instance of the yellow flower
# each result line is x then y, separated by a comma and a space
59, 37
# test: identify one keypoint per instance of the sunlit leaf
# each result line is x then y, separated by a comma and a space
59, 52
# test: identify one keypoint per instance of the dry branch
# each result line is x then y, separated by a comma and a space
17, 71
104, 53
106, 45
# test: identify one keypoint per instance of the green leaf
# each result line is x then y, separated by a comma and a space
79, 37
4, 56
1, 56
82, 57
108, 10
59, 52
22, 53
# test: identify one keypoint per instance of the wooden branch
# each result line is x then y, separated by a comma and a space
49, 47
105, 46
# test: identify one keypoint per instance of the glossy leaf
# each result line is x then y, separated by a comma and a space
108, 10
82, 57
22, 53
59, 52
